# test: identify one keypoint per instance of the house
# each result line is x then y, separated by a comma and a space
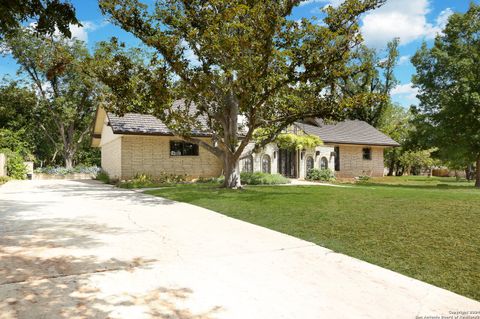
137, 143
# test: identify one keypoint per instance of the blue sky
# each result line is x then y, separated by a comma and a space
413, 21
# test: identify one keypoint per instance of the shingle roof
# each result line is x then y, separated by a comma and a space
134, 123
348, 132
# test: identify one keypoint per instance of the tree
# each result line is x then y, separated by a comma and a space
395, 122
421, 159
373, 74
230, 59
51, 15
58, 70
448, 79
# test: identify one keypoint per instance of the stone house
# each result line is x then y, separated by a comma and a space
137, 143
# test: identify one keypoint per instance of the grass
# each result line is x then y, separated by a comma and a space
420, 181
416, 228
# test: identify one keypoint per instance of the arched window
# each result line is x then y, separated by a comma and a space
324, 163
309, 164
266, 164
247, 166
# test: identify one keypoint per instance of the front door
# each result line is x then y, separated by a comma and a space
287, 163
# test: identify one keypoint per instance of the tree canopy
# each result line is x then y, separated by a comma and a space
230, 59
65, 93
373, 74
50, 15
448, 79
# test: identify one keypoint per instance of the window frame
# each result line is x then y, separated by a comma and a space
367, 156
321, 162
196, 149
266, 157
308, 159
248, 159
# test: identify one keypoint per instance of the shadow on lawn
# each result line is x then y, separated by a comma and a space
41, 277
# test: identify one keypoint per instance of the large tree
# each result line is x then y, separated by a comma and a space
232, 59
49, 16
448, 79
395, 122
66, 94
373, 73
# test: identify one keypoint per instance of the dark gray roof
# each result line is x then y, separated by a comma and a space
348, 132
143, 124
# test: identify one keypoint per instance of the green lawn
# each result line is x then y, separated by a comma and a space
420, 229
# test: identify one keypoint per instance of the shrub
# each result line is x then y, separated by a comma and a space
15, 167
58, 170
102, 176
362, 179
262, 179
4, 179
143, 180
325, 175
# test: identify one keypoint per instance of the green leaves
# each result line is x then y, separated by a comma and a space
448, 78
234, 59
58, 70
289, 140
51, 15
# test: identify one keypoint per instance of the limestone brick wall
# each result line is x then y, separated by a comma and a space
316, 154
111, 158
272, 151
352, 163
151, 155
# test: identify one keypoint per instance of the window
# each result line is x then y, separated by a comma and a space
181, 148
309, 164
247, 166
324, 163
367, 153
266, 164
337, 158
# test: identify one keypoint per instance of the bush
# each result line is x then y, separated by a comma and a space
362, 179
262, 179
58, 170
325, 175
103, 177
144, 180
4, 179
15, 167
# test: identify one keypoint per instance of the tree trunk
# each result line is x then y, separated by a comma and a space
68, 161
468, 172
391, 167
477, 168
230, 170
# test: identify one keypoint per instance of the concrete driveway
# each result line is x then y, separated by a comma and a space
81, 249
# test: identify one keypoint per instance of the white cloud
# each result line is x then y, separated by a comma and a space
189, 54
406, 20
403, 59
406, 92
333, 3
442, 18
81, 33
